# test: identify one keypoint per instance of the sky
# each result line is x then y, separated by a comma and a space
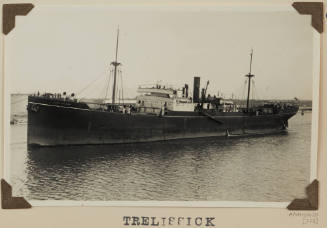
58, 49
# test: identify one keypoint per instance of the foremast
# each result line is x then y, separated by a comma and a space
249, 76
115, 64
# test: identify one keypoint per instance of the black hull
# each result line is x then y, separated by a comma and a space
55, 124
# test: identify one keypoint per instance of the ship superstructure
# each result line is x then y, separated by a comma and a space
153, 99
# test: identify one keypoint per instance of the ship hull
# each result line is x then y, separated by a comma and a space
53, 125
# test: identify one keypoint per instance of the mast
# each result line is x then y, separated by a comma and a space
249, 75
115, 64
204, 94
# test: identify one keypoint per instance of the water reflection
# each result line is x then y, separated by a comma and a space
201, 169
145, 171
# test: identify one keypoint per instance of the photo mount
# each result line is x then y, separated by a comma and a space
10, 11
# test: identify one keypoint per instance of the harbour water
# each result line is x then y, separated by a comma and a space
265, 168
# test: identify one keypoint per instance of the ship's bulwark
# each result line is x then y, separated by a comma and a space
51, 125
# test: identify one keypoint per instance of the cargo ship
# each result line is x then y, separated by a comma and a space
159, 113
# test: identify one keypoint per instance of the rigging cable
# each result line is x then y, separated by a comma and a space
116, 88
255, 90
244, 90
122, 86
252, 93
119, 91
107, 89
92, 88
101, 93
89, 84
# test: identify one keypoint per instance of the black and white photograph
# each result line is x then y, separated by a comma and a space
145, 105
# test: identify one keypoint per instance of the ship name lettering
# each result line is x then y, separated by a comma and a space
167, 221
